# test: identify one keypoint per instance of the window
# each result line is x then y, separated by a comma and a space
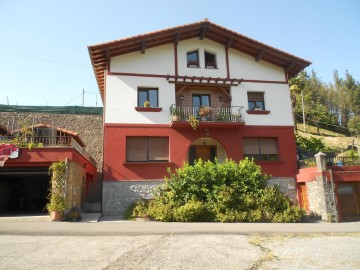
148, 94
256, 101
201, 100
143, 149
210, 60
261, 148
193, 59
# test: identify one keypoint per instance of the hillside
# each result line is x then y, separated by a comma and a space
332, 140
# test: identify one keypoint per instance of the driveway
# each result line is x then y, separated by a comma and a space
113, 244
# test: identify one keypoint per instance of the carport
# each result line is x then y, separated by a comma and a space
23, 190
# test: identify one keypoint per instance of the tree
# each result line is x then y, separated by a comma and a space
354, 128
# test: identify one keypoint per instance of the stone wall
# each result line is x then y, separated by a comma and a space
321, 197
119, 195
75, 185
89, 127
287, 186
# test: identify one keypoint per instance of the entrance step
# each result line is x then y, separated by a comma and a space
91, 207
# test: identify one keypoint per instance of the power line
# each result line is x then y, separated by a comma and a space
73, 99
39, 56
82, 94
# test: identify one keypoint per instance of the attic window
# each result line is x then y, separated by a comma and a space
193, 59
210, 60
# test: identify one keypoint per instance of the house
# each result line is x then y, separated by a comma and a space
155, 85
25, 157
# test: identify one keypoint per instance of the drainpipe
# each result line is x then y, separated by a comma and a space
333, 196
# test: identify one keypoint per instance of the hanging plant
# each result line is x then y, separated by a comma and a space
193, 122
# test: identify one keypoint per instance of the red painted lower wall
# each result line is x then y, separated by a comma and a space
180, 139
43, 157
339, 174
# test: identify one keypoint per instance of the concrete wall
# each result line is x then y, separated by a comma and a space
89, 127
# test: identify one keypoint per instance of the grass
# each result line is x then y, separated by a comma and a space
332, 140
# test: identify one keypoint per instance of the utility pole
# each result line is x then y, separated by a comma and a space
303, 111
83, 97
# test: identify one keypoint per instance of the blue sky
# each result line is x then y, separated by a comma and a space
43, 44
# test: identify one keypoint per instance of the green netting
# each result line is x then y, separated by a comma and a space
53, 109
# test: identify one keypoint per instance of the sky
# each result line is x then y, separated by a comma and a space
44, 60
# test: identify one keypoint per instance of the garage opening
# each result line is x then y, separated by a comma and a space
23, 191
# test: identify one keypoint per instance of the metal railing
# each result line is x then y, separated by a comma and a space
82, 151
333, 161
207, 113
343, 161
307, 163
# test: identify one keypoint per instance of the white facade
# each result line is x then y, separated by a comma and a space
121, 90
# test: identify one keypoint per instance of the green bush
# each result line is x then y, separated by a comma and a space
161, 211
223, 192
193, 211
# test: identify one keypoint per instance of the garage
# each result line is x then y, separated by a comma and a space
23, 191
349, 200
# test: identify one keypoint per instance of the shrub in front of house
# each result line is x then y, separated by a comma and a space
222, 192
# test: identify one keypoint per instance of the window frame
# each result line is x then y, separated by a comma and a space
215, 62
148, 147
197, 65
260, 156
257, 103
147, 90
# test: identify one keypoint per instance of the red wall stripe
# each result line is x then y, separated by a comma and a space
116, 168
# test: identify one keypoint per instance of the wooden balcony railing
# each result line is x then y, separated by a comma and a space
53, 141
207, 113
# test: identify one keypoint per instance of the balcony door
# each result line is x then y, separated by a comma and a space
199, 100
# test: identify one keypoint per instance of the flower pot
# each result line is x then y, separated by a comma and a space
175, 118
56, 216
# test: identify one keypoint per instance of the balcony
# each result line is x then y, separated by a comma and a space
208, 116
47, 142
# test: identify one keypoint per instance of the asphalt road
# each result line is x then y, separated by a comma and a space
40, 244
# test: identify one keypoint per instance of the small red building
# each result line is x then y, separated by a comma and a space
25, 160
330, 188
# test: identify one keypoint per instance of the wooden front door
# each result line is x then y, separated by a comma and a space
349, 200
304, 197
205, 152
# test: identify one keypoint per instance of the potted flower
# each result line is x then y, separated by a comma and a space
56, 207
146, 104
204, 111
176, 113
